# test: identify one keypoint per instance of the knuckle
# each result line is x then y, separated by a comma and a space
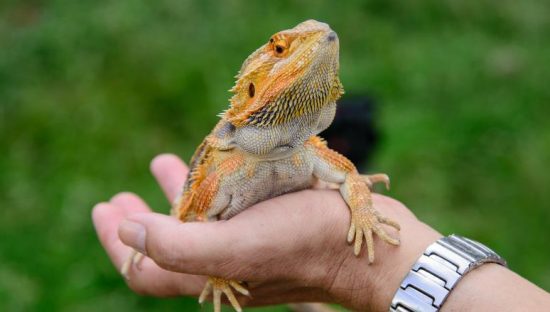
123, 196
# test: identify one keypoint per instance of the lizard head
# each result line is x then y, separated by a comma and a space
293, 74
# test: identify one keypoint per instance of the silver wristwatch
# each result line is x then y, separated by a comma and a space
437, 271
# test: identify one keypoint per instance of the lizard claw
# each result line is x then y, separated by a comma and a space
134, 259
363, 224
217, 286
372, 179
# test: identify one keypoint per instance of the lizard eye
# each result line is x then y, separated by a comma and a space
280, 47
251, 90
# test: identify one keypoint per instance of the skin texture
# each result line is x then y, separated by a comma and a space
303, 269
266, 145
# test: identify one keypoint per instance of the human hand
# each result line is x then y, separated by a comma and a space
288, 249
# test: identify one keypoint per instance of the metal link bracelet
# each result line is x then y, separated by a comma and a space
437, 271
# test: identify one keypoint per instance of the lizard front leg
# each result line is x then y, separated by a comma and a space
205, 202
332, 167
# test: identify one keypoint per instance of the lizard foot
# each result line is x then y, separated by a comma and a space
365, 222
133, 259
217, 286
372, 179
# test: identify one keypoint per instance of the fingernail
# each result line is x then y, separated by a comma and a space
132, 234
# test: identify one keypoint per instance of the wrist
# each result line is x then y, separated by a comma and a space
360, 286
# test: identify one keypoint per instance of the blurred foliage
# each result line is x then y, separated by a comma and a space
90, 91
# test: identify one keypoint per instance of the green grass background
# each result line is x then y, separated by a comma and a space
90, 91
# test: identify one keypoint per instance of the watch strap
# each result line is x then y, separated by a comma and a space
436, 272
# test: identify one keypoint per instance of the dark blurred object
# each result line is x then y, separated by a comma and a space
353, 131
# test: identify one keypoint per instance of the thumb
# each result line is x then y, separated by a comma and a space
195, 247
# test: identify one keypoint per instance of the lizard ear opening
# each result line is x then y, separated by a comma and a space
251, 90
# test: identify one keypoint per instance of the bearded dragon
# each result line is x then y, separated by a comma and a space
266, 144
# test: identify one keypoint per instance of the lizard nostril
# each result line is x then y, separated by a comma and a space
332, 36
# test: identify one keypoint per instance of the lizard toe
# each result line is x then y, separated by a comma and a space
218, 286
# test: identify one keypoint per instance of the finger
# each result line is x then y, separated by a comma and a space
151, 279
218, 248
194, 248
171, 244
106, 218
171, 173
129, 203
